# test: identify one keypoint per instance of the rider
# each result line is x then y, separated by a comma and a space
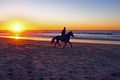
63, 31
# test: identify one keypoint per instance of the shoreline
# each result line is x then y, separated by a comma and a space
72, 40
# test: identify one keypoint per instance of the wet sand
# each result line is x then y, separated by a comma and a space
39, 60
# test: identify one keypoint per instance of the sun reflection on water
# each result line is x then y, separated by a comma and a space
17, 36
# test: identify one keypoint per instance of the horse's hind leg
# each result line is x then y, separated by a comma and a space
70, 44
55, 44
59, 44
64, 45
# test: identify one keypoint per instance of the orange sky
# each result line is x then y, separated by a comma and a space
26, 25
31, 25
56, 14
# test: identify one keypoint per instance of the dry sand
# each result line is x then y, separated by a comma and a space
37, 60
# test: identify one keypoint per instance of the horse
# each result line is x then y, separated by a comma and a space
65, 39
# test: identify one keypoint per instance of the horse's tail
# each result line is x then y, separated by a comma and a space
53, 40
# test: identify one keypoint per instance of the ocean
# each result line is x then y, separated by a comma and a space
87, 36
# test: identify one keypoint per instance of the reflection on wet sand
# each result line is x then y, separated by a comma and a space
17, 36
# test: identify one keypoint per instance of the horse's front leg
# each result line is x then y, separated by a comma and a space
64, 44
70, 44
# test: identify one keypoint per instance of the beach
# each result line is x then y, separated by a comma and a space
39, 60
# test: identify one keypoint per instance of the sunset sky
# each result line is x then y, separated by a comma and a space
55, 14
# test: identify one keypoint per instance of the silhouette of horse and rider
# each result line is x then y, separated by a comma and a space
64, 38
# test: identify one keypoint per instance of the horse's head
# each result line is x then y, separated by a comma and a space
71, 33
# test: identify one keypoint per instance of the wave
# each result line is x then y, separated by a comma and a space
86, 34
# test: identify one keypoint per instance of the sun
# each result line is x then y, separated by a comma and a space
17, 28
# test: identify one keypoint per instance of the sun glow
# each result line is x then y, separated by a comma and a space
17, 28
